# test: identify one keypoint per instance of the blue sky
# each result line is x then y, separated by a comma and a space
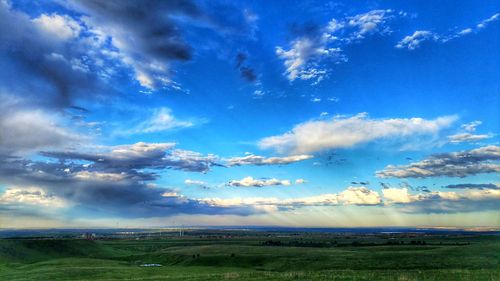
292, 113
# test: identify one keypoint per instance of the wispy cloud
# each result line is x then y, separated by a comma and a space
162, 120
467, 135
414, 41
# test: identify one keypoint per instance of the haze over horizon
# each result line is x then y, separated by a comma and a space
220, 113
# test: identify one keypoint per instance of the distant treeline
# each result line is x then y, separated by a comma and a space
296, 243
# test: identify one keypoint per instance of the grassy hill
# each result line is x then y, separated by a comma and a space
255, 258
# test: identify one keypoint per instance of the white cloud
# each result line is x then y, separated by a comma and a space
436, 201
413, 41
300, 181
194, 182
100, 176
485, 22
139, 150
471, 127
251, 182
261, 160
303, 60
340, 132
302, 52
467, 137
465, 31
350, 196
162, 120
371, 22
359, 196
62, 27
398, 195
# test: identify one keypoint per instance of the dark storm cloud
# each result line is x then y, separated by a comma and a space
40, 65
116, 186
141, 156
473, 186
148, 24
150, 35
58, 60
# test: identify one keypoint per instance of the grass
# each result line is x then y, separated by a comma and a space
246, 258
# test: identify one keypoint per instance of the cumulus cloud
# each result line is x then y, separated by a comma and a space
398, 195
414, 41
261, 160
455, 164
305, 58
251, 182
359, 196
401, 198
342, 132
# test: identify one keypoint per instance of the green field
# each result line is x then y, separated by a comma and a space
254, 257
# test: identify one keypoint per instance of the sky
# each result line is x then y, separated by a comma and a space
249, 113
